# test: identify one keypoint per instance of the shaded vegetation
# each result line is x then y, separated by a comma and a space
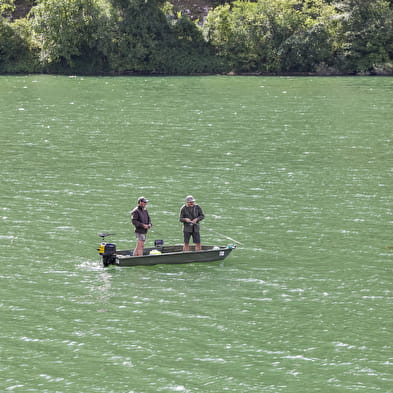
158, 37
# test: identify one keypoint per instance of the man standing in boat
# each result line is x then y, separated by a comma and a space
141, 220
190, 215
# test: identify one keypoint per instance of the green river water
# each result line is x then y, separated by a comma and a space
298, 171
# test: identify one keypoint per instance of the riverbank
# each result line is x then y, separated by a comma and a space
229, 74
244, 38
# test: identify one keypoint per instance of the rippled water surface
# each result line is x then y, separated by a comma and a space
298, 171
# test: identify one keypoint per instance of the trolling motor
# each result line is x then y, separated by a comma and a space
107, 250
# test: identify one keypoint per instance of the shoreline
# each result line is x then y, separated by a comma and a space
156, 74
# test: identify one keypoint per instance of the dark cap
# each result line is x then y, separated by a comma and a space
142, 199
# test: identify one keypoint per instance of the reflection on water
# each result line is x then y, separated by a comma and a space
296, 171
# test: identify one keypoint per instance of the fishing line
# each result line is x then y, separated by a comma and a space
218, 233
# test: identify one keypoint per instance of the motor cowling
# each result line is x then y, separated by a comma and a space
108, 254
109, 249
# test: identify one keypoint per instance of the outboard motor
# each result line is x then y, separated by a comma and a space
109, 255
107, 250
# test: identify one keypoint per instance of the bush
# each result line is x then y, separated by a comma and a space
18, 54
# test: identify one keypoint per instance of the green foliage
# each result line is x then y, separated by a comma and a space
72, 34
143, 40
138, 30
312, 42
17, 50
7, 7
272, 36
367, 35
147, 36
193, 54
117, 36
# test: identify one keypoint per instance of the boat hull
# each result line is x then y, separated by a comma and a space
172, 255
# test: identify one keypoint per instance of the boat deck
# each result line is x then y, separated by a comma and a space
165, 250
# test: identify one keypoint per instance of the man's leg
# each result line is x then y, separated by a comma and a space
186, 246
140, 245
197, 240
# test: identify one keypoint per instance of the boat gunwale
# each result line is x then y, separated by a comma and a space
125, 256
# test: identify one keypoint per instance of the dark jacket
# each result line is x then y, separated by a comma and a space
191, 212
140, 216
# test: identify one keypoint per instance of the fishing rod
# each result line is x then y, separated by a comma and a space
109, 247
227, 237
158, 233
105, 234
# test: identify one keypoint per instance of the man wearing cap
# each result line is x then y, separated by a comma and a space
190, 215
141, 220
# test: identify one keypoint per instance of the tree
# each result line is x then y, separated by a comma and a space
72, 34
18, 52
313, 42
273, 35
145, 40
138, 30
367, 35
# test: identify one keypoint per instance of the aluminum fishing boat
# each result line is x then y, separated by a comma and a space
160, 254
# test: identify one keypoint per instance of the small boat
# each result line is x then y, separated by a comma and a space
160, 254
